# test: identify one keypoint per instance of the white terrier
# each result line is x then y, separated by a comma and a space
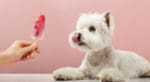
94, 36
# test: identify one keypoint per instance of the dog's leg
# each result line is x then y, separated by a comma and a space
111, 75
68, 73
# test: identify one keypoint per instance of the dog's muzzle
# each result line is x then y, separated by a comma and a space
76, 38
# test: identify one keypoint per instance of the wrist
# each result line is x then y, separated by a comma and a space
6, 57
3, 58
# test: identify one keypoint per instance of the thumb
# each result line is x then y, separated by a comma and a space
30, 48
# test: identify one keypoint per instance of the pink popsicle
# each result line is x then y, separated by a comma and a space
39, 27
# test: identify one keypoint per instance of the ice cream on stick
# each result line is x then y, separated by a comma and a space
37, 34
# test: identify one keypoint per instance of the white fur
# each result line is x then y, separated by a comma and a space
102, 61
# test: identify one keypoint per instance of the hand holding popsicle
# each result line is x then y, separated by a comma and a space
38, 29
18, 51
37, 34
24, 50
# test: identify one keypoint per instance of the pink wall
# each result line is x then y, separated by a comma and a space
17, 18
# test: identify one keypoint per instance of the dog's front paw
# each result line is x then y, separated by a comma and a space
68, 73
111, 77
106, 78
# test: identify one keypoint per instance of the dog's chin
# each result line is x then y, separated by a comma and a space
82, 46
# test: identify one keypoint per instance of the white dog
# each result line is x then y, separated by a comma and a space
94, 36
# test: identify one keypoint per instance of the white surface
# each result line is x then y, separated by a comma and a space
25, 78
47, 78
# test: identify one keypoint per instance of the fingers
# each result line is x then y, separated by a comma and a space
28, 56
31, 48
32, 56
28, 49
37, 50
25, 43
30, 52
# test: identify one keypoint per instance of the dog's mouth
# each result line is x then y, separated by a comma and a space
84, 45
81, 43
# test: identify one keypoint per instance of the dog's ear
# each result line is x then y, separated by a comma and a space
107, 18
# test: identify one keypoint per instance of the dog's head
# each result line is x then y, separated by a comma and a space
93, 32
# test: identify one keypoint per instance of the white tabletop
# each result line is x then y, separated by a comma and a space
47, 78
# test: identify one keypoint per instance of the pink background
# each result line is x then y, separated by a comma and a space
17, 18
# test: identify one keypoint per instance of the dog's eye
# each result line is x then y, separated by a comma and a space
92, 29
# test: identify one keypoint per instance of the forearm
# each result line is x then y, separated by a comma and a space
4, 58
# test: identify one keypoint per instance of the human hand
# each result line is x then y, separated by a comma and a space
22, 50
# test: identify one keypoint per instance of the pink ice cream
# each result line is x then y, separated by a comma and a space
39, 28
